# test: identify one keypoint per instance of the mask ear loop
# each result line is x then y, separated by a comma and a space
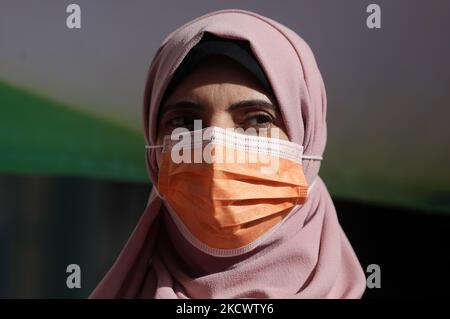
154, 187
151, 147
310, 188
313, 158
308, 191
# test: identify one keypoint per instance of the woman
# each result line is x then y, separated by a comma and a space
214, 230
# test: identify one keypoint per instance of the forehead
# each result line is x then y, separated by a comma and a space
220, 75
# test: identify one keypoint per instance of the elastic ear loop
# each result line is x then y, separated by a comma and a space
308, 191
309, 187
151, 147
313, 158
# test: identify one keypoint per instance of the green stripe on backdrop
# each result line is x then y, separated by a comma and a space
40, 136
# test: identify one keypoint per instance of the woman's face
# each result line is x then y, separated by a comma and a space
220, 93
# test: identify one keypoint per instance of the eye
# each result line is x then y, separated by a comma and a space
186, 121
178, 121
260, 119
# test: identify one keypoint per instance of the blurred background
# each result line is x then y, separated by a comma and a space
72, 175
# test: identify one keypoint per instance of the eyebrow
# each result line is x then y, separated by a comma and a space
234, 106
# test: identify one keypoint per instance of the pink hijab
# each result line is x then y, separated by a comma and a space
309, 256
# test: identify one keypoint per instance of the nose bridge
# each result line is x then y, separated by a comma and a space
220, 118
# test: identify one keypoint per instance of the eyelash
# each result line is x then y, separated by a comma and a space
267, 118
189, 122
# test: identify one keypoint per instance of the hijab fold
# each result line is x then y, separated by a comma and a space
309, 256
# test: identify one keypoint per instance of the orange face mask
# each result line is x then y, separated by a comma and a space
228, 191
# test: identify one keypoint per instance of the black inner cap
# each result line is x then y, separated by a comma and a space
237, 50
